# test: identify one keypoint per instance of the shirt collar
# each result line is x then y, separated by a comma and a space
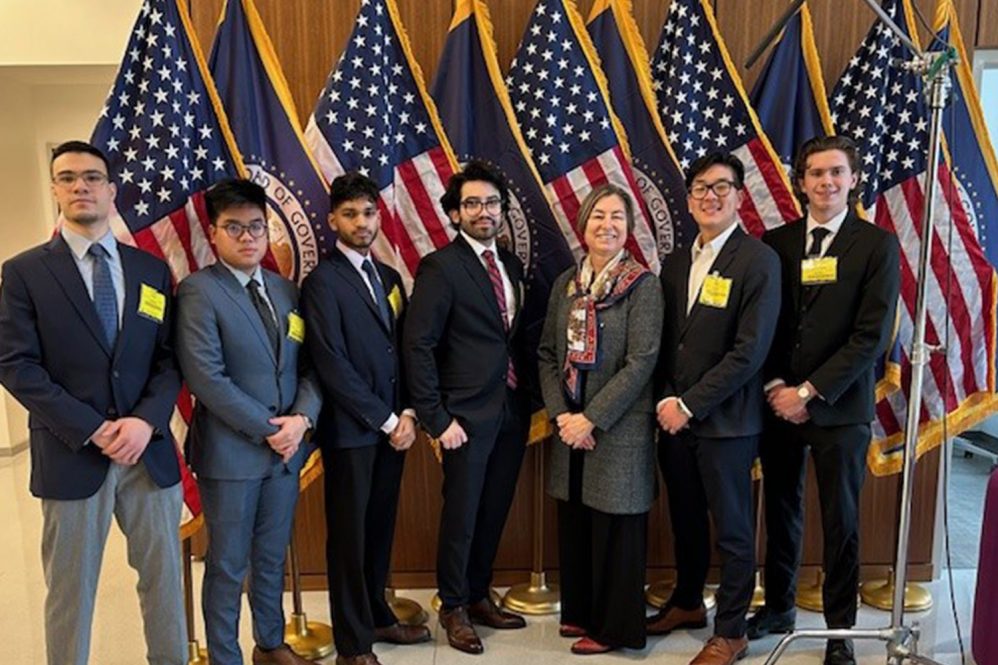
831, 225
716, 244
79, 244
242, 277
477, 245
355, 258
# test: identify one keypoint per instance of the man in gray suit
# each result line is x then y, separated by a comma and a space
239, 335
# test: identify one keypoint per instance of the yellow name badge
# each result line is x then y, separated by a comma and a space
296, 327
152, 303
819, 271
395, 300
715, 291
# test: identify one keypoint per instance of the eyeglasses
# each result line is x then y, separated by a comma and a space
721, 188
236, 231
90, 178
474, 206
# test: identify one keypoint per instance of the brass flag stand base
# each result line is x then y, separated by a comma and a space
536, 596
880, 594
658, 594
758, 595
809, 595
308, 639
407, 611
195, 654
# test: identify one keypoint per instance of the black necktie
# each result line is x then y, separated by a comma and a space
105, 299
379, 292
817, 236
266, 316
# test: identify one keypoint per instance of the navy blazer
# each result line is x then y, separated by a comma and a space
356, 356
456, 348
55, 360
713, 357
832, 335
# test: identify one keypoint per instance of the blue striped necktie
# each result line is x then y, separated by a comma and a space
105, 299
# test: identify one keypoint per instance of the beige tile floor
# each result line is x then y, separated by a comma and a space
117, 626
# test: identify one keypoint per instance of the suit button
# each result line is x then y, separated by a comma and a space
115, 374
393, 379
112, 412
680, 347
273, 409
391, 350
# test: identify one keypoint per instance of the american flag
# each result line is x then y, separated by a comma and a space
561, 101
883, 107
705, 108
163, 132
375, 116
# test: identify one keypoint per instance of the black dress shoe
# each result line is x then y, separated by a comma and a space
839, 652
766, 622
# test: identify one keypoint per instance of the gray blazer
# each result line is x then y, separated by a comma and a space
619, 474
229, 366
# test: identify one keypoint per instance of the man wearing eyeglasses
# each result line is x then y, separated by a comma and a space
86, 347
722, 298
239, 343
460, 345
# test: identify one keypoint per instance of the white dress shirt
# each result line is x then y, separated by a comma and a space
704, 256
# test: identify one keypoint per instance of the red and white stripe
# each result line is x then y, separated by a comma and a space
768, 201
964, 278
413, 223
567, 192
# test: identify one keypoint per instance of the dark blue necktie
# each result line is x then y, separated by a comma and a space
105, 300
379, 292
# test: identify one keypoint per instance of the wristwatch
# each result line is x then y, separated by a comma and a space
309, 425
804, 392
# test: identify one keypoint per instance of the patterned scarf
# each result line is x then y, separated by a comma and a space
613, 283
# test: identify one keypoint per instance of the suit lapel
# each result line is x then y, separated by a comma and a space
473, 266
60, 262
353, 278
238, 295
133, 282
513, 272
282, 307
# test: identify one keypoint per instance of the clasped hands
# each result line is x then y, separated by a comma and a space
123, 440
671, 416
288, 437
787, 404
576, 431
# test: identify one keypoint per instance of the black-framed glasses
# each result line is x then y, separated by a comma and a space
67, 179
493, 205
721, 188
235, 231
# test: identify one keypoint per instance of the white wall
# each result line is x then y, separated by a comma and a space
59, 32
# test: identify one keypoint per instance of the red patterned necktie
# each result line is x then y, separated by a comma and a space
500, 292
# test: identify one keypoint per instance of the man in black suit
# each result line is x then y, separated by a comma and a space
840, 287
85, 346
722, 299
353, 306
460, 346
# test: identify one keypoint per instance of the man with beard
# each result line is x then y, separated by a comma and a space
840, 286
85, 346
353, 307
460, 341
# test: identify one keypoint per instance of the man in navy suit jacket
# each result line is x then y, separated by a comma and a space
461, 347
353, 306
722, 298
239, 343
85, 346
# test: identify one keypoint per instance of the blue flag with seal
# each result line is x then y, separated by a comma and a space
789, 95
626, 63
477, 115
263, 118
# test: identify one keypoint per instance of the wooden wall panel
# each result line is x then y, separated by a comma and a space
987, 26
309, 36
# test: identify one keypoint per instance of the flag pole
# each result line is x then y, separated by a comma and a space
777, 28
902, 640
195, 654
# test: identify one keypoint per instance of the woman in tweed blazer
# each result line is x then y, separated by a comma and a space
596, 357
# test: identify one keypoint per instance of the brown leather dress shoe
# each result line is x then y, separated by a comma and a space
670, 617
486, 613
362, 659
282, 655
402, 634
722, 651
460, 633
